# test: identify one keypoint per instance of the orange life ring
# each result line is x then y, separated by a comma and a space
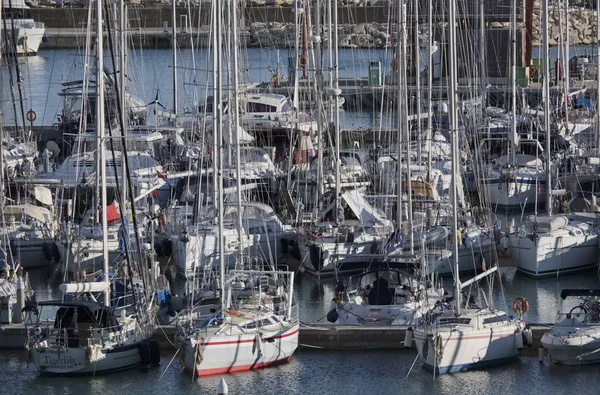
234, 313
31, 116
520, 305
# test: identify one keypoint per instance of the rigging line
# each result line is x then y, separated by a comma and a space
16, 63
170, 362
126, 163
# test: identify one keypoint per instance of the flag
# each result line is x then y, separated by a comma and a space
112, 214
161, 175
395, 242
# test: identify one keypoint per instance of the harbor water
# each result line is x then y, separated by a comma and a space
310, 371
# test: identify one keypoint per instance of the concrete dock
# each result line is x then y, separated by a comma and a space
311, 337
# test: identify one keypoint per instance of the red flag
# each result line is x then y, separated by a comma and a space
112, 214
160, 175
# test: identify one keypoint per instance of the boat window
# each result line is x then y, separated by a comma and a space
260, 107
250, 325
454, 320
275, 319
286, 106
498, 318
388, 276
266, 322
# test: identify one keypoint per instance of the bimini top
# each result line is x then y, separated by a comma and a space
579, 292
103, 315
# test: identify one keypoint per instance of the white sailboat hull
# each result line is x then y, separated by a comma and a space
319, 258
28, 253
261, 247
514, 194
221, 354
80, 360
455, 351
470, 258
551, 255
90, 261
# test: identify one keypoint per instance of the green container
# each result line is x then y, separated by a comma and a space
522, 76
536, 63
375, 73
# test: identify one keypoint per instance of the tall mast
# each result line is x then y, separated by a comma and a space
546, 94
174, 37
597, 78
453, 122
336, 92
513, 80
122, 66
405, 125
417, 63
318, 84
101, 143
218, 135
566, 62
236, 123
482, 63
216, 40
399, 96
1, 136
430, 66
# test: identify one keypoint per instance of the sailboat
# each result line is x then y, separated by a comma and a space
553, 244
464, 336
89, 331
243, 336
257, 325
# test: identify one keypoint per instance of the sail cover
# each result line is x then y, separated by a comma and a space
367, 214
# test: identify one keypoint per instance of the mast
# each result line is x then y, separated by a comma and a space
399, 97
567, 71
216, 102
174, 38
318, 84
417, 63
236, 124
101, 143
1, 136
405, 125
336, 92
597, 79
565, 62
453, 123
122, 65
218, 136
513, 80
546, 94
482, 63
430, 66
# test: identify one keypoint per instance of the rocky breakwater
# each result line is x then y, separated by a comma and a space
362, 35
582, 25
